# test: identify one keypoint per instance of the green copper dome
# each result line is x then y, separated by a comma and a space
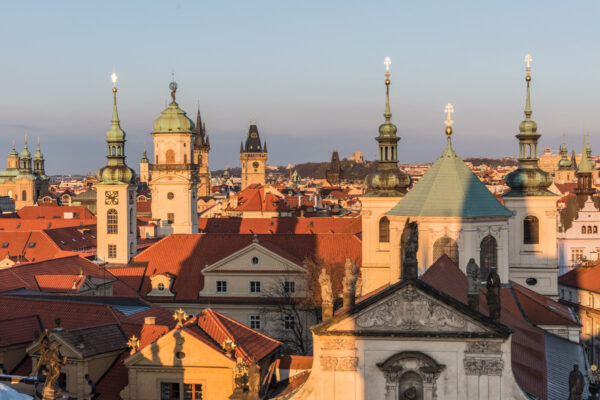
13, 152
38, 153
25, 153
564, 163
173, 118
115, 133
115, 175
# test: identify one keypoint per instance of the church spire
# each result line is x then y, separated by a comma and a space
388, 181
584, 172
528, 179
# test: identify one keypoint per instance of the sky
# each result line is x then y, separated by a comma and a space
310, 73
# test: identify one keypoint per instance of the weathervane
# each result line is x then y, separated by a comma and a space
449, 110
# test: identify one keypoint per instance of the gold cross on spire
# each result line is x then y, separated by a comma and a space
528, 60
449, 110
387, 62
180, 316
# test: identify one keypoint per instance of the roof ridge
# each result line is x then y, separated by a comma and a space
248, 328
227, 332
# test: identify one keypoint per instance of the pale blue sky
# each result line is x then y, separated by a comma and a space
310, 72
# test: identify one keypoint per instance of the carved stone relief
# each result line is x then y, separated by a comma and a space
410, 310
483, 347
483, 366
329, 363
338, 344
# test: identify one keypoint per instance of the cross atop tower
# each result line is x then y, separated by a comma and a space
449, 110
387, 62
528, 60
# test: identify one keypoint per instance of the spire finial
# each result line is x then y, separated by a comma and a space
13, 142
449, 110
528, 60
115, 116
25, 140
388, 114
173, 87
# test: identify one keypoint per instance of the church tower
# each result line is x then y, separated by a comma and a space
386, 187
38, 161
13, 158
116, 211
333, 174
584, 173
565, 172
144, 168
174, 174
532, 228
201, 149
253, 157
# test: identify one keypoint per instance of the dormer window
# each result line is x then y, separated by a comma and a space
161, 286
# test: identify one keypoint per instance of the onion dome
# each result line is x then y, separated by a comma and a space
116, 172
387, 180
38, 153
25, 153
13, 152
584, 172
173, 119
564, 163
528, 179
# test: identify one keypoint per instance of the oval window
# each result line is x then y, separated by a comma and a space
170, 195
531, 281
254, 260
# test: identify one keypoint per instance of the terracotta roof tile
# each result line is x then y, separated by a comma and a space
299, 225
54, 211
19, 329
94, 340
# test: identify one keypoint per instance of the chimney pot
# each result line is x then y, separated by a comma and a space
149, 320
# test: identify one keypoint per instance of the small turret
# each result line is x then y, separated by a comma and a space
13, 158
38, 161
25, 159
584, 172
564, 163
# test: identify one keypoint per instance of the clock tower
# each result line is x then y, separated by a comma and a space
253, 157
116, 212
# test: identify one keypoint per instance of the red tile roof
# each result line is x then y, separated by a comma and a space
20, 224
54, 211
256, 198
584, 277
281, 225
19, 330
294, 362
185, 255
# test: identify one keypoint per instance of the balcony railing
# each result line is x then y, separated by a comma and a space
173, 167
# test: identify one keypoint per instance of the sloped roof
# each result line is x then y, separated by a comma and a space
94, 340
584, 277
281, 225
449, 189
19, 330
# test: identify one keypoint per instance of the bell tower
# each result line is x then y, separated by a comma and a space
201, 149
116, 208
532, 228
386, 187
253, 157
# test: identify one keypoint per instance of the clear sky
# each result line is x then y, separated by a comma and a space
310, 72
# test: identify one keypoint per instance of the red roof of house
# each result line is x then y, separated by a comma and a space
255, 198
57, 273
54, 211
38, 224
185, 255
294, 362
584, 277
566, 187
281, 225
20, 329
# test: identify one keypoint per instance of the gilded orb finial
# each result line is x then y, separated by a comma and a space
528, 60
449, 110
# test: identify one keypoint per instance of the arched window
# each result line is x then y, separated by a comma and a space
589, 229
531, 230
595, 229
119, 150
488, 256
170, 156
112, 221
185, 158
156, 158
131, 222
583, 229
384, 230
23, 195
447, 246
113, 151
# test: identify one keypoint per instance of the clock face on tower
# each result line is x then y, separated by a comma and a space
111, 197
255, 164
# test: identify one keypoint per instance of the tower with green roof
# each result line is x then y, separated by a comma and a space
115, 199
144, 168
174, 173
38, 161
585, 171
25, 160
533, 259
13, 158
565, 171
384, 189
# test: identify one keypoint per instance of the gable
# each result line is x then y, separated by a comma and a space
411, 311
255, 258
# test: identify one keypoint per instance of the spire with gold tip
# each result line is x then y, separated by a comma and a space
116, 172
388, 180
528, 179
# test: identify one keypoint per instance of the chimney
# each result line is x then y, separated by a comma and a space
349, 283
473, 284
149, 320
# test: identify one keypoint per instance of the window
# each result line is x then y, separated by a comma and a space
576, 255
289, 287
562, 293
170, 218
192, 391
384, 230
447, 246
4, 245
254, 286
589, 229
255, 322
288, 322
595, 229
170, 195
31, 245
24, 195
221, 286
170, 157
254, 260
531, 230
112, 221
169, 391
131, 220
112, 251
583, 229
488, 256
161, 286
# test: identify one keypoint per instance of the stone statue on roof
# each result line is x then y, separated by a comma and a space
326, 290
49, 364
493, 295
410, 248
576, 383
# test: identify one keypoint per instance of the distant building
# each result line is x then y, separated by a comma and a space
22, 181
253, 157
357, 157
334, 172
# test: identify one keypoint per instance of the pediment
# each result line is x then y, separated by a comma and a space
407, 311
252, 258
